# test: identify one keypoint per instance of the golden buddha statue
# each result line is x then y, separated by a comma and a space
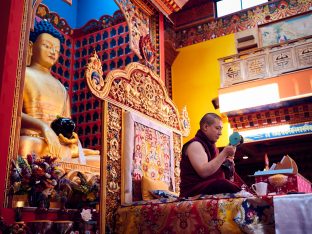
44, 99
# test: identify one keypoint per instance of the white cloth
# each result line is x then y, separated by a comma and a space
82, 157
293, 214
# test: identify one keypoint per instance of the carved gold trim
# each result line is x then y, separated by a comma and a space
103, 167
177, 148
167, 7
164, 7
185, 121
148, 51
78, 167
113, 153
35, 5
113, 140
20, 71
138, 88
123, 161
138, 22
94, 75
144, 6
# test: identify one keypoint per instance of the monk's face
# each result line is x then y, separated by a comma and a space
214, 131
46, 50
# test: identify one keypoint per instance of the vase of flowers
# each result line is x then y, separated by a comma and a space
36, 177
85, 190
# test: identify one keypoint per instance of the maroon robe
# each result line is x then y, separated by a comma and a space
192, 184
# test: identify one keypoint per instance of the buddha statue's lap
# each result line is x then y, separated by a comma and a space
38, 145
44, 99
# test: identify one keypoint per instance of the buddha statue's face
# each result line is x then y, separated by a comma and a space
46, 50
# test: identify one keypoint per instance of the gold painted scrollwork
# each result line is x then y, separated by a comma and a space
114, 124
94, 75
177, 146
148, 51
138, 22
132, 96
140, 89
185, 122
113, 152
113, 167
113, 173
137, 87
113, 187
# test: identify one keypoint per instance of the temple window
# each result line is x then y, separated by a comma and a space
120, 40
68, 43
91, 49
112, 54
120, 63
120, 29
95, 129
91, 39
78, 44
226, 7
84, 42
95, 116
68, 53
113, 43
82, 96
112, 65
113, 32
75, 98
98, 37
105, 35
105, 45
82, 74
127, 50
120, 52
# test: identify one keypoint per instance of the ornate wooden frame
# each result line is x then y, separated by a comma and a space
137, 89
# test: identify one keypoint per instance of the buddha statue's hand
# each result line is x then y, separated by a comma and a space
71, 143
66, 141
52, 141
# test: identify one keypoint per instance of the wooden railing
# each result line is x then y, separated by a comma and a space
266, 62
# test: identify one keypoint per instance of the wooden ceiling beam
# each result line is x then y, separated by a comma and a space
166, 7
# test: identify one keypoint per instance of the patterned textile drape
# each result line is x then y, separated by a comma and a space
207, 214
148, 151
152, 154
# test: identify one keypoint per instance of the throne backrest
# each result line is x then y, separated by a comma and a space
148, 152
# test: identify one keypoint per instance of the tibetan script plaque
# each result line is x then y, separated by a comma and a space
256, 67
232, 73
282, 61
304, 55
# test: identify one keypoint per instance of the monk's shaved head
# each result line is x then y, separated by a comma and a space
209, 119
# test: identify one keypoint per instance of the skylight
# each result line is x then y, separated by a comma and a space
226, 7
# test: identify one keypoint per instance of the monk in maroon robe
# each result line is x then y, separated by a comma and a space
201, 164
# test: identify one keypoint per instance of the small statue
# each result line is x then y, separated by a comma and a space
44, 99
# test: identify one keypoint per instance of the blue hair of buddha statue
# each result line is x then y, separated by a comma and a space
45, 27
